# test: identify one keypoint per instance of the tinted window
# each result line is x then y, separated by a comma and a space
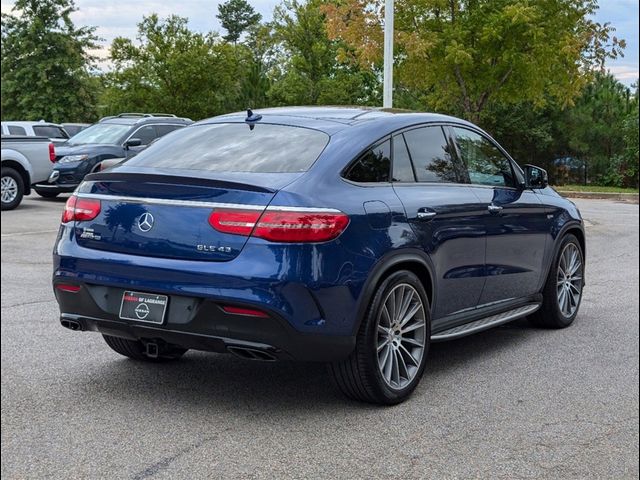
373, 166
431, 155
162, 130
402, 169
145, 134
15, 130
485, 163
50, 131
235, 147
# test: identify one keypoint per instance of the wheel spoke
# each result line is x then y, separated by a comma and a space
396, 368
412, 327
413, 360
410, 314
412, 341
405, 304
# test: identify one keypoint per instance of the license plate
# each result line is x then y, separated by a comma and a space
143, 307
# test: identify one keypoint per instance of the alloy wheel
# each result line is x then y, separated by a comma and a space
569, 280
401, 336
9, 189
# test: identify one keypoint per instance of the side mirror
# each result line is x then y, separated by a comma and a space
535, 177
132, 142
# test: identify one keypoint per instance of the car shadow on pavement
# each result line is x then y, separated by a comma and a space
222, 381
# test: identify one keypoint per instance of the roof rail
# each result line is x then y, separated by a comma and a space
138, 115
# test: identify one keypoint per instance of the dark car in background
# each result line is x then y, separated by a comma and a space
118, 136
347, 235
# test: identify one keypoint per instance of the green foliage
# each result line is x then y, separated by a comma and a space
464, 56
46, 64
309, 71
172, 69
236, 17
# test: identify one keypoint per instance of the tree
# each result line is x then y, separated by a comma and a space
462, 56
172, 69
47, 69
236, 17
310, 71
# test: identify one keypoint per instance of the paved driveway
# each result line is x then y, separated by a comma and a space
514, 402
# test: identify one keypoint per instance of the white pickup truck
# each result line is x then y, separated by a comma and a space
25, 161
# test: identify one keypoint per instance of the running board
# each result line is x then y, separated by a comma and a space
485, 323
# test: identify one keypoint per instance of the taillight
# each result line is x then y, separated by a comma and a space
52, 152
80, 209
236, 222
281, 226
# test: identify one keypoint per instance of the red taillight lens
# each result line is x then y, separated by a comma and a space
69, 209
80, 209
275, 226
52, 152
236, 222
300, 226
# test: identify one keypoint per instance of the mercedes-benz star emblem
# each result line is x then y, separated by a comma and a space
145, 222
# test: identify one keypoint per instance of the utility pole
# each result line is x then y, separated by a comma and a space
387, 93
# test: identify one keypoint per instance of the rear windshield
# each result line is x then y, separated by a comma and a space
50, 131
235, 147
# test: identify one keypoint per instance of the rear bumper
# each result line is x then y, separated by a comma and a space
200, 324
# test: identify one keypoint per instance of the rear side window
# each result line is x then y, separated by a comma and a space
373, 166
236, 147
50, 131
162, 130
16, 130
431, 155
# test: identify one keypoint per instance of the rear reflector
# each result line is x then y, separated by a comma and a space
52, 153
80, 209
288, 227
244, 311
68, 288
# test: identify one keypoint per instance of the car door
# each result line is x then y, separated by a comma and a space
444, 213
515, 218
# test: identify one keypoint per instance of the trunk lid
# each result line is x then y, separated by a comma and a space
166, 215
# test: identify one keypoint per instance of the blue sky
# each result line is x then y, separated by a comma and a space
119, 18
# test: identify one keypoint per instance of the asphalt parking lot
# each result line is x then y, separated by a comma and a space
513, 402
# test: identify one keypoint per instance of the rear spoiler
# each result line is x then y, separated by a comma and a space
172, 180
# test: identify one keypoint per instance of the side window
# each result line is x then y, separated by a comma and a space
373, 166
484, 161
162, 130
402, 169
145, 134
431, 155
16, 130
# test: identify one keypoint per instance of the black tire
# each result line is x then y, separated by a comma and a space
9, 173
359, 376
549, 315
135, 350
47, 193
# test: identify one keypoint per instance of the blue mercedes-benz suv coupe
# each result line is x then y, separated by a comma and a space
351, 236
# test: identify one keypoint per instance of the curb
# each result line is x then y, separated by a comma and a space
627, 197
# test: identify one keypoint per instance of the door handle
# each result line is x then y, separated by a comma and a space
495, 209
424, 214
